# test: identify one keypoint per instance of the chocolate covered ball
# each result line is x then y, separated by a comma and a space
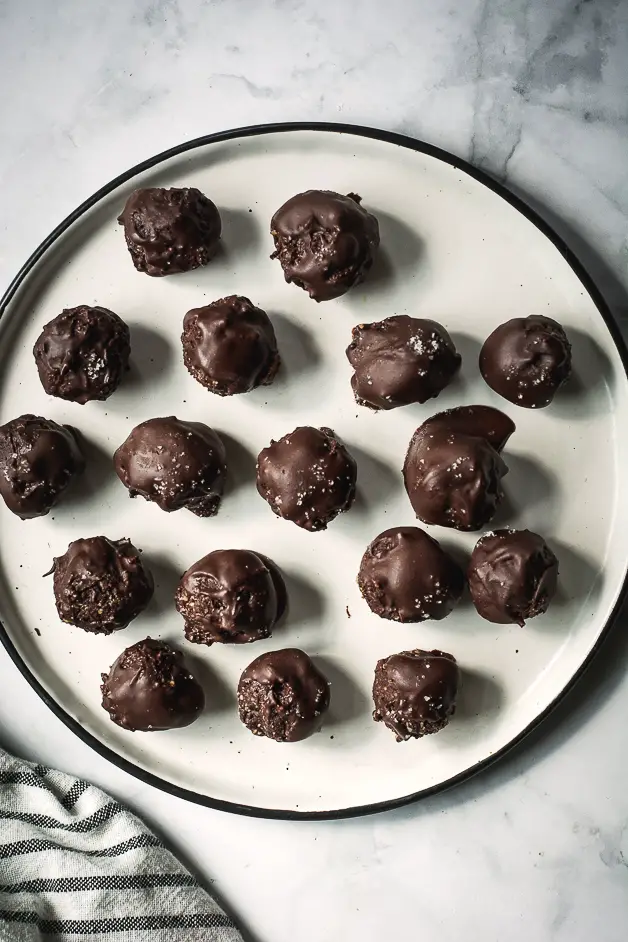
527, 360
175, 464
38, 461
307, 476
400, 360
83, 354
150, 688
100, 585
415, 692
512, 576
282, 695
453, 467
170, 231
230, 596
229, 346
324, 241
406, 576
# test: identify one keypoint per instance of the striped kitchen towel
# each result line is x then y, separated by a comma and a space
75, 865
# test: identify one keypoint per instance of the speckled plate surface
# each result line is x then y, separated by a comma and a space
455, 248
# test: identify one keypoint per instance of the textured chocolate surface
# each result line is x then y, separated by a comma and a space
414, 692
150, 688
526, 360
308, 476
229, 346
100, 585
83, 354
38, 461
400, 360
453, 468
175, 464
512, 576
282, 695
405, 575
325, 242
170, 231
230, 596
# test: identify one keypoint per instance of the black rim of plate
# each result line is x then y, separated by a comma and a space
579, 270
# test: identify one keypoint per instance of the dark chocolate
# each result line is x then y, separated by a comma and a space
453, 468
527, 360
324, 241
100, 585
176, 464
150, 688
170, 231
400, 360
38, 461
282, 695
230, 596
414, 692
229, 346
308, 477
512, 576
406, 576
83, 354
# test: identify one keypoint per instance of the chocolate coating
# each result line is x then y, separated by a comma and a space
415, 692
282, 695
512, 576
100, 585
307, 476
38, 461
175, 464
170, 231
406, 576
453, 468
324, 241
83, 354
231, 596
150, 688
229, 346
526, 360
400, 360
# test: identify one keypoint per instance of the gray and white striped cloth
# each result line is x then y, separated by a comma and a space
76, 865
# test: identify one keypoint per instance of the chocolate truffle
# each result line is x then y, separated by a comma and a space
38, 461
83, 354
526, 360
229, 346
149, 688
512, 576
307, 476
175, 464
232, 596
400, 360
282, 695
453, 468
415, 692
100, 585
170, 231
406, 576
324, 241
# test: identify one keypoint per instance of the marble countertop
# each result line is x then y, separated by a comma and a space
535, 93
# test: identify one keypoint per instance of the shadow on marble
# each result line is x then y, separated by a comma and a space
348, 700
399, 255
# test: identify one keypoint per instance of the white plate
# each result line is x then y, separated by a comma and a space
456, 248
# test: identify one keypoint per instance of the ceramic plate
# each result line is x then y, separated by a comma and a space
455, 247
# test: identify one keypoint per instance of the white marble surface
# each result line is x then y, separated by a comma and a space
536, 93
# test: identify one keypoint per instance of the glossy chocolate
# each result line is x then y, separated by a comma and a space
400, 360
324, 241
229, 346
282, 695
512, 576
175, 464
83, 354
414, 692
